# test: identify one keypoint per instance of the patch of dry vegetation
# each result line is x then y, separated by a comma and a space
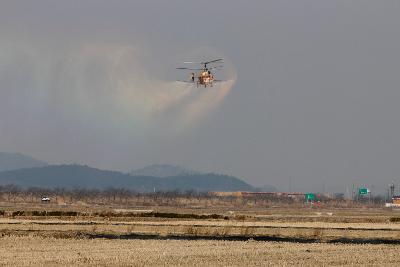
316, 231
27, 251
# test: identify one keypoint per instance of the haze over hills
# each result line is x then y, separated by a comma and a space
166, 170
26, 171
78, 176
163, 170
15, 161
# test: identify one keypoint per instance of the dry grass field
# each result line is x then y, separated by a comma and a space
28, 250
48, 235
228, 229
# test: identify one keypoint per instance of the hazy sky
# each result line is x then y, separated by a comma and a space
312, 92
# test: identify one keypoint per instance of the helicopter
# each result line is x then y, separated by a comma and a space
205, 76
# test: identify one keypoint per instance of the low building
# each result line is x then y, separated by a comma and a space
395, 202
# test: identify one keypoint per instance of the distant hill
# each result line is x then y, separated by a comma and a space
77, 176
162, 170
15, 161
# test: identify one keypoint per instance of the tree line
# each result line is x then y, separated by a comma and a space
121, 196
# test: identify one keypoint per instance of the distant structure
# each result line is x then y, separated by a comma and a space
247, 194
309, 197
395, 202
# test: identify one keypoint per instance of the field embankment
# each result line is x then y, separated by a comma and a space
130, 224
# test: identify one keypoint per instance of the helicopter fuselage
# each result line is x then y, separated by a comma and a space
205, 78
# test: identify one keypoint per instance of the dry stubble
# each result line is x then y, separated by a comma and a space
31, 250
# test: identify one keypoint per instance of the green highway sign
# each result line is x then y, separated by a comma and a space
363, 191
310, 196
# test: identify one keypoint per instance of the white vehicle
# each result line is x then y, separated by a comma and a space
45, 199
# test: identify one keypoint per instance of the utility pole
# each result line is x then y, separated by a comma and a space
391, 190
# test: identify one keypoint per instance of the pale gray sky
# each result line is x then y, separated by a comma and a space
315, 95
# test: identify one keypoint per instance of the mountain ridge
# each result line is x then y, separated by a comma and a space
163, 170
81, 176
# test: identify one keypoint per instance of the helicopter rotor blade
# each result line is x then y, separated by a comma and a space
203, 62
216, 68
188, 69
212, 61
